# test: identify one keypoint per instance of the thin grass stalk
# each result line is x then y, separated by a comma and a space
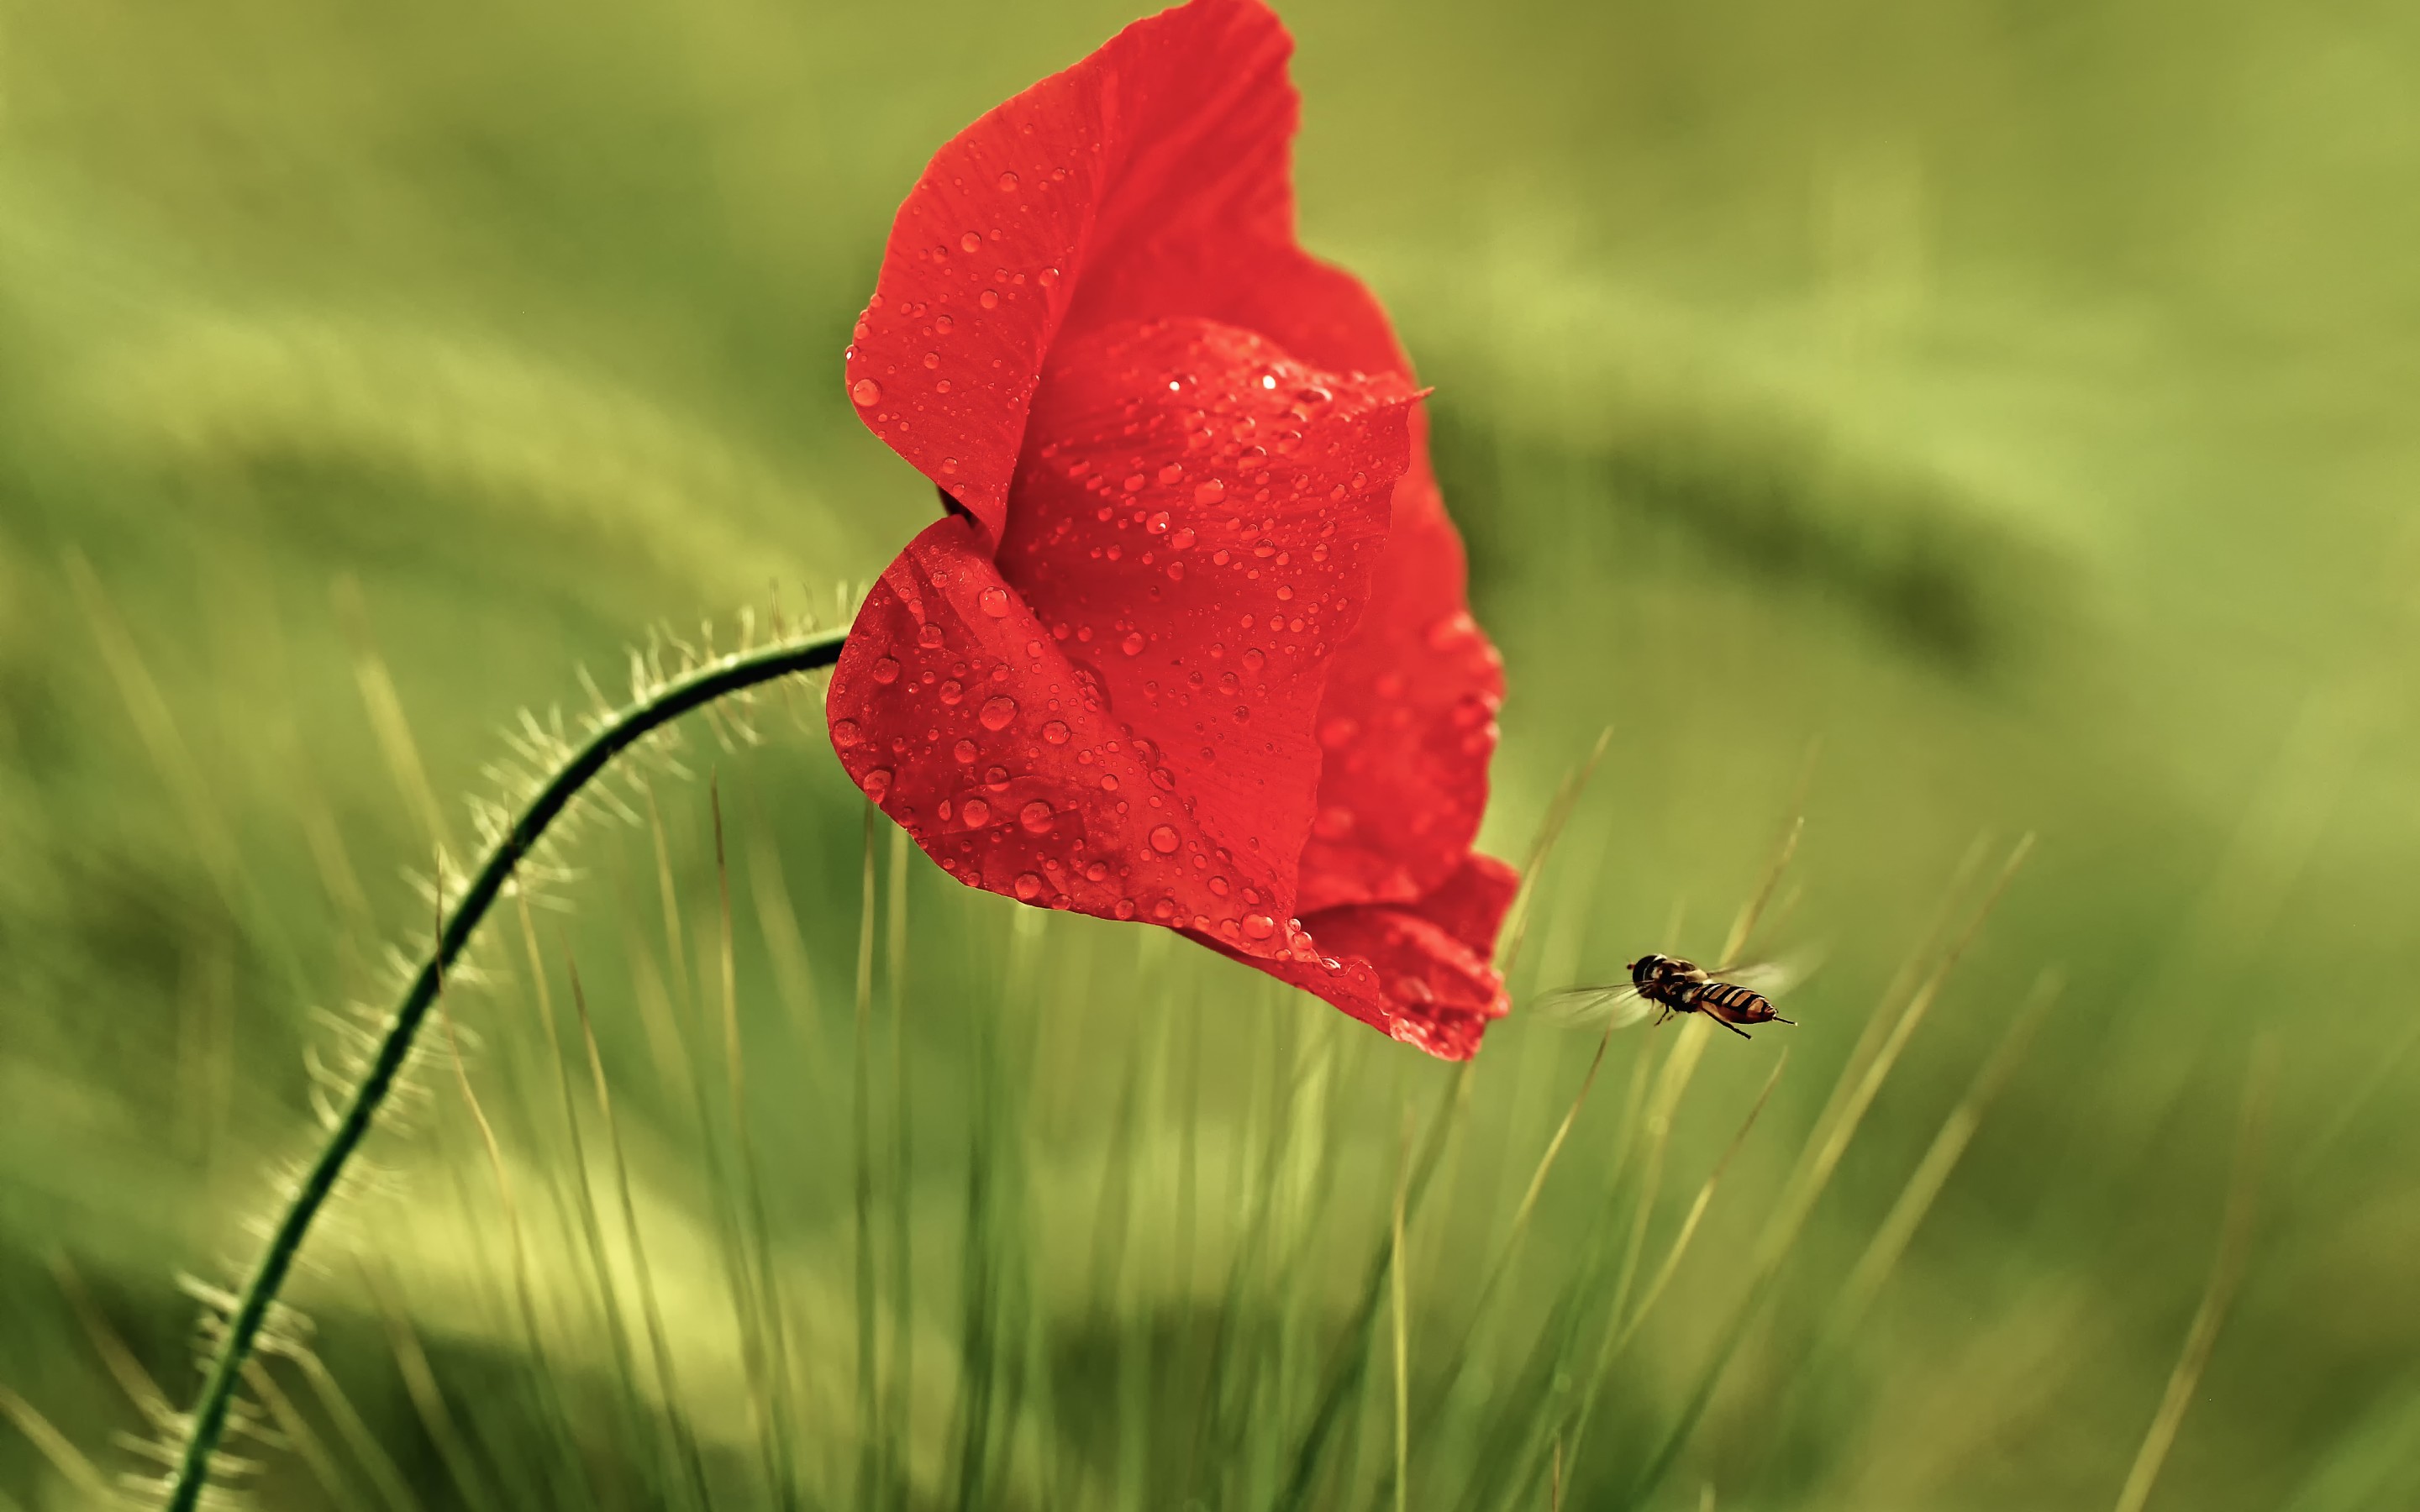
1932, 1170
903, 1258
2225, 1273
1402, 1332
244, 1327
685, 1450
757, 1236
375, 1461
1351, 1359
869, 1491
428, 1398
1620, 1330
1807, 1182
592, 1228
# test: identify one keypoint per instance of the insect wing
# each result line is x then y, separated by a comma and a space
1771, 978
1593, 1008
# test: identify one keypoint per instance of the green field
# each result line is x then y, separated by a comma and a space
1952, 422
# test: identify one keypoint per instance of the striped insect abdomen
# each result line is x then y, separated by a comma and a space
1736, 1004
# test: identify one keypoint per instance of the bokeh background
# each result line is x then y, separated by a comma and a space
1948, 422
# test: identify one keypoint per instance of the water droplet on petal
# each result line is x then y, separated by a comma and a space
878, 784
1035, 816
976, 812
885, 671
964, 751
1163, 840
866, 393
994, 602
1028, 887
1132, 645
1008, 183
1182, 540
951, 693
1055, 731
1125, 908
1208, 491
998, 711
972, 242
929, 637
988, 299
1254, 659
1259, 926
845, 734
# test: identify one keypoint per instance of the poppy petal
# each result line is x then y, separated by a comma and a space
1471, 903
1402, 973
1152, 178
1152, 641
1409, 722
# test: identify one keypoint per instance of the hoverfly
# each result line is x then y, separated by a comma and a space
1731, 995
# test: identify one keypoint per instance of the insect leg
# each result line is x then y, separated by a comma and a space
1729, 1025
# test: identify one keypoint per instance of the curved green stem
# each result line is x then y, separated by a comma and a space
259, 1293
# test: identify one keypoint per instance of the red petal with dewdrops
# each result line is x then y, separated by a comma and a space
1409, 727
1151, 179
1154, 637
1421, 972
1088, 692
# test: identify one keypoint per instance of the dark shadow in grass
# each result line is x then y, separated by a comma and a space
1761, 499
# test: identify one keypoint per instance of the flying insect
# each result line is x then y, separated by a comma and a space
1731, 995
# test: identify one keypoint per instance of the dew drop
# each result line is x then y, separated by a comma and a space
972, 242
976, 812
998, 711
1028, 887
1208, 491
1259, 926
1008, 183
885, 671
1164, 909
964, 751
994, 602
1163, 838
1176, 572
1132, 645
1182, 540
1109, 782
1098, 872
932, 360
1171, 473
988, 299
878, 784
845, 734
929, 637
1048, 278
1125, 908
1158, 522
1035, 817
866, 393
1254, 659
1055, 731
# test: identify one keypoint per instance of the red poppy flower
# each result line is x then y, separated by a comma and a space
1192, 647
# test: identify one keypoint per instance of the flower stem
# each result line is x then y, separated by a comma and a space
669, 702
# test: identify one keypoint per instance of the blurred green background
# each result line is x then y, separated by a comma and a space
1984, 419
